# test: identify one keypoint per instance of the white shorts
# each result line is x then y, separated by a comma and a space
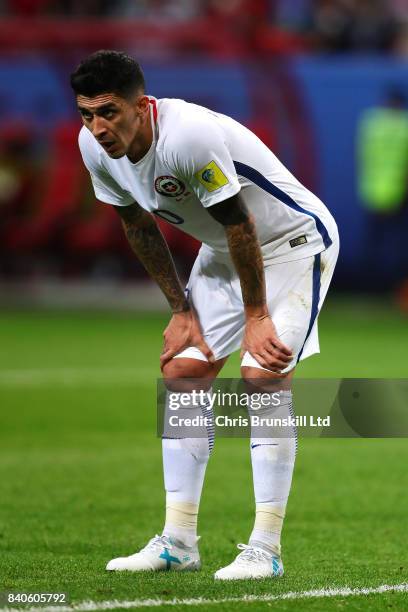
295, 293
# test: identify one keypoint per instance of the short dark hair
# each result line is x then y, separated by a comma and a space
108, 72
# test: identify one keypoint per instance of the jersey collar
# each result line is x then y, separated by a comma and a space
153, 109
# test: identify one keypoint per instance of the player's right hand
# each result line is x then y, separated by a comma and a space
183, 331
262, 342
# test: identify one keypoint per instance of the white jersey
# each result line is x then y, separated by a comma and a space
199, 158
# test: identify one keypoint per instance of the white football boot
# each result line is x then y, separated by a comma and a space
252, 562
160, 554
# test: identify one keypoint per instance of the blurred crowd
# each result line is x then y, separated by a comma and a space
51, 225
331, 25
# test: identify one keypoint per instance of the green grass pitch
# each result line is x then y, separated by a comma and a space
81, 482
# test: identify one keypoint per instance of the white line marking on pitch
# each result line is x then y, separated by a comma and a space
74, 376
91, 606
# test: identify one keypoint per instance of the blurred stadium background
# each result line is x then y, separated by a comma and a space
302, 74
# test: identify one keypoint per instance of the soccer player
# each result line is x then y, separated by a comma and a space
269, 247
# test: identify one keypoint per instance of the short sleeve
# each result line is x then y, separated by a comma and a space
200, 156
105, 187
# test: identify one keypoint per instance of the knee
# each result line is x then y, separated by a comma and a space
258, 379
186, 368
186, 375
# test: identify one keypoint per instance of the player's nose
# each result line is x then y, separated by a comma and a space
98, 128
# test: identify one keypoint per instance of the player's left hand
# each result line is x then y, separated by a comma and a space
262, 342
183, 331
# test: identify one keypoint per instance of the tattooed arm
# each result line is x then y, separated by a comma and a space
260, 337
148, 243
245, 252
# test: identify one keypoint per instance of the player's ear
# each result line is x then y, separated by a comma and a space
142, 105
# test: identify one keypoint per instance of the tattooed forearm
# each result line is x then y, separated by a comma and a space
247, 257
149, 245
245, 251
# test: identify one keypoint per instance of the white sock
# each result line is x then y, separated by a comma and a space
273, 460
184, 464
